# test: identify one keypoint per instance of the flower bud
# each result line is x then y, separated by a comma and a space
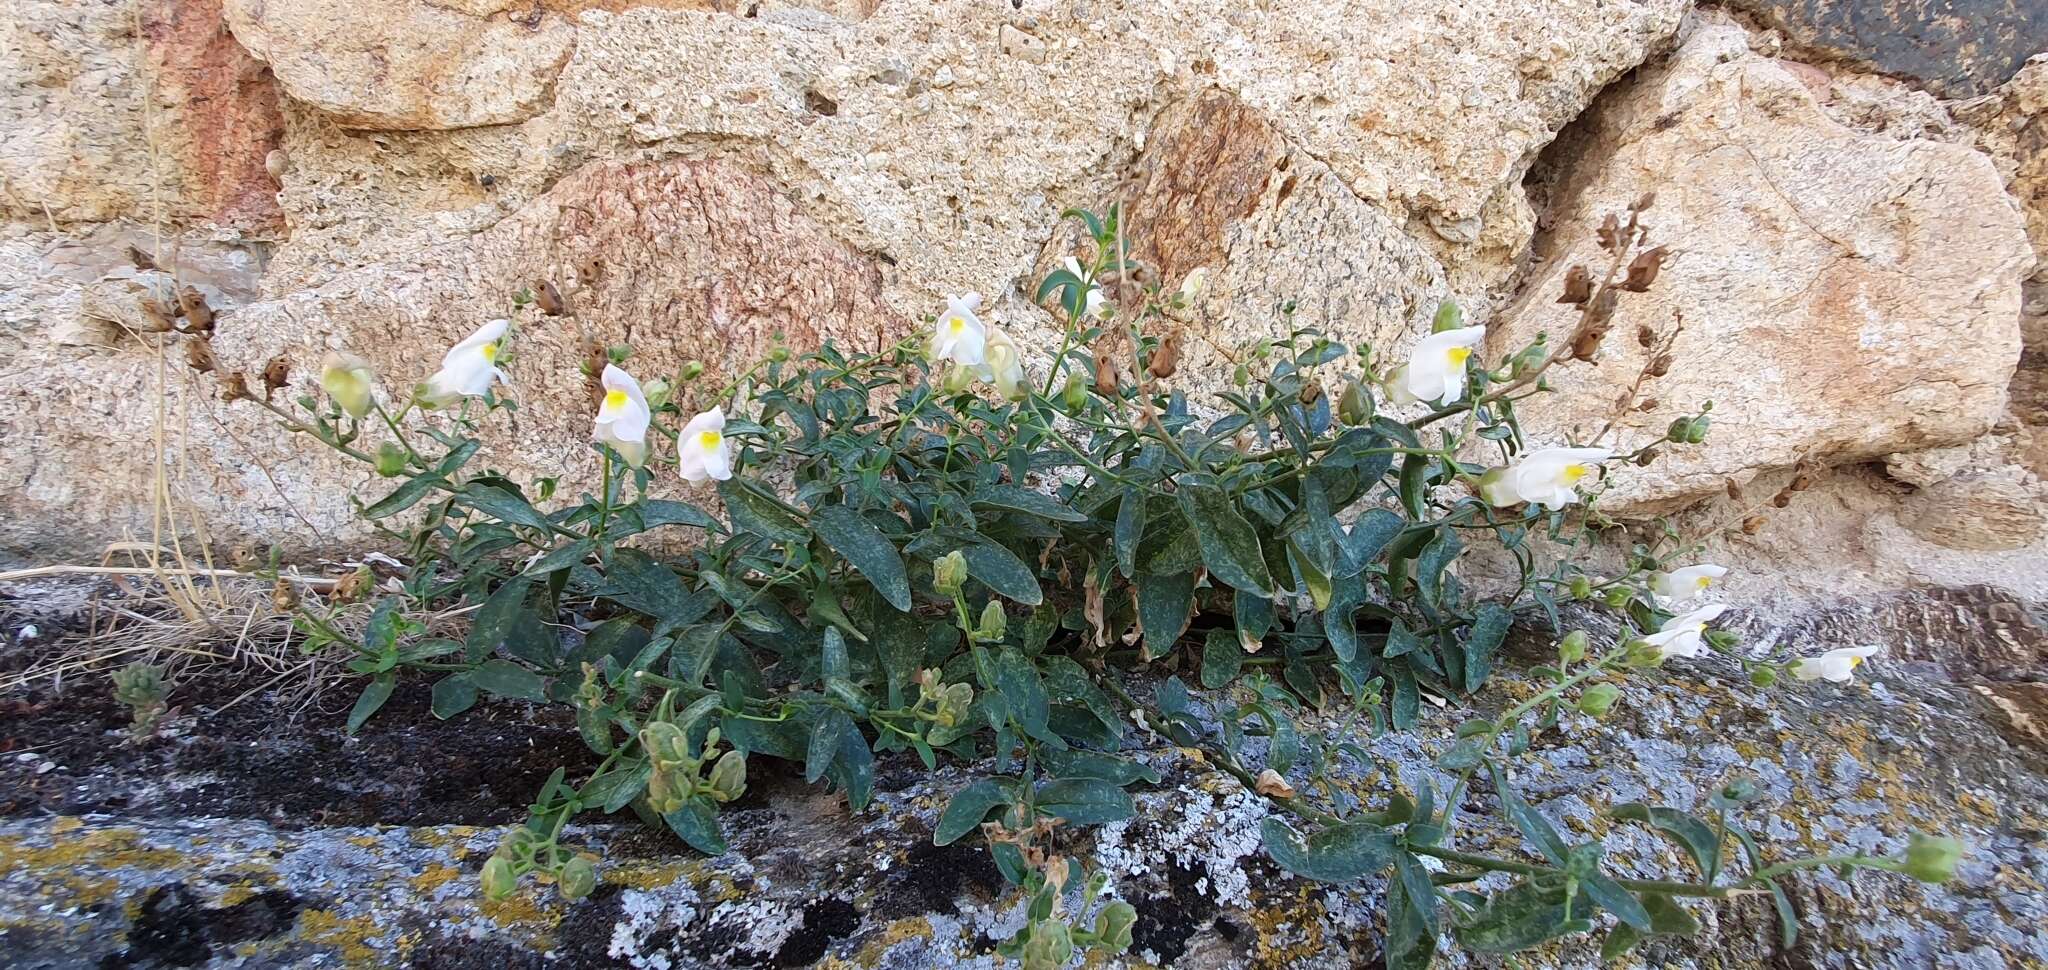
498, 878
1191, 284
1641, 654
691, 371
958, 379
1679, 428
1931, 858
1582, 587
729, 776
1764, 676
1241, 376
949, 573
665, 744
1598, 700
1618, 597
617, 353
1449, 316
657, 392
1696, 430
1572, 648
1355, 406
390, 460
993, 621
348, 380
1076, 393
578, 878
666, 791
1114, 924
1051, 945
779, 353
954, 702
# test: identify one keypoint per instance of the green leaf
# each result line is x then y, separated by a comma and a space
1365, 539
1621, 939
1533, 825
826, 730
1130, 530
851, 535
563, 557
453, 694
967, 809
401, 498
504, 506
1164, 605
1483, 640
635, 581
999, 569
1667, 917
752, 510
1430, 565
507, 679
1414, 478
697, 823
658, 512
834, 662
1084, 801
1024, 500
1421, 893
613, 789
1024, 691
495, 619
373, 697
853, 770
1222, 659
1522, 916
1691, 834
1076, 763
1229, 546
1339, 853
1615, 899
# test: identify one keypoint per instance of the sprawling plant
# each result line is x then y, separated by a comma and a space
929, 550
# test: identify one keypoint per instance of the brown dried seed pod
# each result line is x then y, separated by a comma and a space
1782, 499
1643, 202
198, 316
1646, 336
1578, 285
233, 387
1105, 376
1734, 490
1610, 232
1310, 393
548, 298
1166, 359
588, 270
284, 596
1661, 366
1642, 271
1801, 482
1649, 404
199, 355
141, 259
1753, 525
276, 374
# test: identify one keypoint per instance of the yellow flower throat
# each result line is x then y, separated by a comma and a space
614, 400
709, 439
490, 352
1572, 473
1458, 355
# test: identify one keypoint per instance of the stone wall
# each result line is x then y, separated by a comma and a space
1852, 240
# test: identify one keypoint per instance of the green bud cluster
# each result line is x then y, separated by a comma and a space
949, 573
678, 773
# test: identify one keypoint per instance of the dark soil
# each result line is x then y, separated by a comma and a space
70, 754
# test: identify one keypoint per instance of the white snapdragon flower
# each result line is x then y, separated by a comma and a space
1686, 583
1435, 371
468, 369
959, 335
623, 417
702, 451
1191, 285
1003, 366
1547, 476
1685, 636
1091, 305
349, 380
1836, 665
